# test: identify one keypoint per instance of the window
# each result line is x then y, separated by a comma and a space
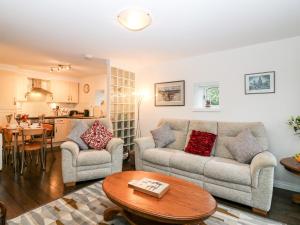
206, 97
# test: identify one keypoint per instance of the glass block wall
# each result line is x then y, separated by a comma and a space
122, 108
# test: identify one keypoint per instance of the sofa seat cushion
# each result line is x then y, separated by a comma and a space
228, 170
93, 157
160, 156
189, 162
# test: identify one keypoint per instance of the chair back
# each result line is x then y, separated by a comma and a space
7, 137
49, 129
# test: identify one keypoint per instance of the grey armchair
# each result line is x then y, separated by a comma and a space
80, 165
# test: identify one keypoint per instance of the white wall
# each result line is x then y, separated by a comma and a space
228, 68
88, 100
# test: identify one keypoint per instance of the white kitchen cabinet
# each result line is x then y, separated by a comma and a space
21, 88
62, 129
73, 92
7, 87
64, 91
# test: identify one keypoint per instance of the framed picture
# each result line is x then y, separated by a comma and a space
260, 83
170, 93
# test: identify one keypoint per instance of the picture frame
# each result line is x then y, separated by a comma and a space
260, 83
169, 93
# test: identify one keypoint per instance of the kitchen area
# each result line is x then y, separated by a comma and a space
53, 96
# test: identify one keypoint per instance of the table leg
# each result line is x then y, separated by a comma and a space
15, 151
296, 198
110, 213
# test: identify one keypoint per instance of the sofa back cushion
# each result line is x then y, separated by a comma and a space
180, 128
104, 121
204, 126
227, 131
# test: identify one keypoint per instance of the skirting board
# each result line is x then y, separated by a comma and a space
286, 186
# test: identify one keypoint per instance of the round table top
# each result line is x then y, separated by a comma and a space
291, 164
184, 201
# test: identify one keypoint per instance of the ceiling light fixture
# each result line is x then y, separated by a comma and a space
60, 68
134, 19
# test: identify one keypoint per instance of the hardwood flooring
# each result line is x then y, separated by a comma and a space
35, 188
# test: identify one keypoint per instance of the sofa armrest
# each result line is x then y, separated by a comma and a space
260, 161
144, 143
115, 148
73, 148
141, 144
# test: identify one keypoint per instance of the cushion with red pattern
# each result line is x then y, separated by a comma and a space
97, 136
201, 143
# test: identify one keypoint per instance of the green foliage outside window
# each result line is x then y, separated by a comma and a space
212, 94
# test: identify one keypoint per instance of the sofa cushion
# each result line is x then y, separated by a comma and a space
200, 143
97, 136
244, 147
179, 127
227, 131
163, 136
79, 128
228, 170
188, 162
204, 126
160, 156
93, 157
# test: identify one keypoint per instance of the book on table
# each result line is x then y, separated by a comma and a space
149, 186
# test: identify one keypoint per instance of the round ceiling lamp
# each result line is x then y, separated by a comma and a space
134, 19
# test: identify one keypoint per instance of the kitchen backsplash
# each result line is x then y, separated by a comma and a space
38, 108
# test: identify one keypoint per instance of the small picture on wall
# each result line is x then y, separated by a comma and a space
260, 83
170, 93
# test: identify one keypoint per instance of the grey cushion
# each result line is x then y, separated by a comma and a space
163, 136
79, 128
227, 131
180, 129
244, 146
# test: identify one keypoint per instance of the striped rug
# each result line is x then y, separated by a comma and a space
86, 206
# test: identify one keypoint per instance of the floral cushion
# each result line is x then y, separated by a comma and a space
201, 143
97, 136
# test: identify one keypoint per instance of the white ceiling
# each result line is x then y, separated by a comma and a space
180, 28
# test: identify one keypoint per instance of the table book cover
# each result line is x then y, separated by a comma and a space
149, 186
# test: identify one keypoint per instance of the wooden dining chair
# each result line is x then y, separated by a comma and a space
37, 146
7, 145
48, 137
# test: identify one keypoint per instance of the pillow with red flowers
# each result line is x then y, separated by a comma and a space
97, 136
201, 143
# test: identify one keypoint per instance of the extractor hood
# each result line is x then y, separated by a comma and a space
39, 86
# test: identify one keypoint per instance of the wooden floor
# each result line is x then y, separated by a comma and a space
35, 188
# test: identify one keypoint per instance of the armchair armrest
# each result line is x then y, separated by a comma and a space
260, 161
115, 148
73, 148
113, 144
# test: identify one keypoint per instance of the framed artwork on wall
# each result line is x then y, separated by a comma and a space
260, 83
170, 93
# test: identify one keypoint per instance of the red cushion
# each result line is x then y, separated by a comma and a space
201, 143
97, 136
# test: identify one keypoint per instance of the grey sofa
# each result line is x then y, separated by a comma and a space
249, 184
80, 165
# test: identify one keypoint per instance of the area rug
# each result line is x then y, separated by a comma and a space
86, 206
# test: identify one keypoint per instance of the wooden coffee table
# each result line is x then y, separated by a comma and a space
184, 203
293, 166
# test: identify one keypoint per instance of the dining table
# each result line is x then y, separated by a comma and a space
16, 131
